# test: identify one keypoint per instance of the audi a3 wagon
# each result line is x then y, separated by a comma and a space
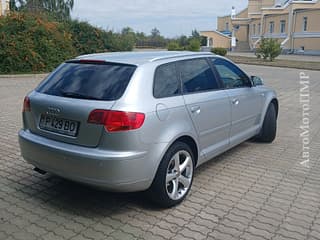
143, 120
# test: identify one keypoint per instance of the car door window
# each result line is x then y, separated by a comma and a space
166, 82
197, 76
230, 74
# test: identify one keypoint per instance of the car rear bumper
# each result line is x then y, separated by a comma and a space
110, 170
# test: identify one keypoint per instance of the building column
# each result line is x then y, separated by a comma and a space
7, 7
233, 36
1, 13
233, 40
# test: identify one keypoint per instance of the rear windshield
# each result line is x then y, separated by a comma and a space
106, 81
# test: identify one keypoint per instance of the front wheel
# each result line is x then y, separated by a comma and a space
174, 176
269, 128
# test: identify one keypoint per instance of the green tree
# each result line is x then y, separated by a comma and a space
195, 34
127, 31
128, 37
269, 49
183, 41
86, 38
119, 42
155, 39
60, 9
155, 33
194, 45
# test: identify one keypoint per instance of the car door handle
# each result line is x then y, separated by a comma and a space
235, 101
195, 109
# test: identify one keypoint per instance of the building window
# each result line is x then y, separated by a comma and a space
259, 28
305, 23
271, 27
227, 26
253, 29
282, 26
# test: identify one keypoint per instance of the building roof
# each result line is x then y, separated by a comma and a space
214, 31
285, 4
139, 58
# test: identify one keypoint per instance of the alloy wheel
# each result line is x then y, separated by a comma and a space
179, 175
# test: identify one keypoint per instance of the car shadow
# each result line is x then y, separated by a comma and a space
57, 194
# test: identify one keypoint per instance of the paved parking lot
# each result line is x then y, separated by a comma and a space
255, 191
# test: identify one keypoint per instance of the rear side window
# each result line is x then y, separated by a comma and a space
197, 76
166, 82
88, 81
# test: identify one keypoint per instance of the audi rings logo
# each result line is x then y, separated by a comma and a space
53, 111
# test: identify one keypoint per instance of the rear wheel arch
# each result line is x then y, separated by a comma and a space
268, 130
272, 100
275, 102
187, 139
192, 144
161, 191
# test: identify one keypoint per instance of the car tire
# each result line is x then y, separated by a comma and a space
174, 176
269, 128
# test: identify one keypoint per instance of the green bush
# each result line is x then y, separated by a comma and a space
29, 43
269, 49
37, 43
194, 45
219, 51
89, 39
174, 46
119, 42
85, 38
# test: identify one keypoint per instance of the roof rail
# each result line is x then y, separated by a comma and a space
180, 55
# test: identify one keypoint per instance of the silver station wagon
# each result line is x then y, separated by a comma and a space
143, 121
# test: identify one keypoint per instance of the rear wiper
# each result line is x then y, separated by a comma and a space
77, 95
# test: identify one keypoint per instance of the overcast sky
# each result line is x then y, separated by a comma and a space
172, 18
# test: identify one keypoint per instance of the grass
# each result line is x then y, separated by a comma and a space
276, 63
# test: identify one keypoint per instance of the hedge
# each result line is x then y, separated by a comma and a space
37, 43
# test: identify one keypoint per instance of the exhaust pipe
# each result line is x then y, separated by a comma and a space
42, 172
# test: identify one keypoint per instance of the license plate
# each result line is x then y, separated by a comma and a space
58, 125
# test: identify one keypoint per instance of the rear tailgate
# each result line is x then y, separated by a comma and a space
64, 119
61, 104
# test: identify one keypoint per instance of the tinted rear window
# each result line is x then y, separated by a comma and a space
88, 81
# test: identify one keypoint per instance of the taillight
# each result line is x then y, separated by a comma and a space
26, 105
115, 121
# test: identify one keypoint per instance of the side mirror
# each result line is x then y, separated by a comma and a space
256, 81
